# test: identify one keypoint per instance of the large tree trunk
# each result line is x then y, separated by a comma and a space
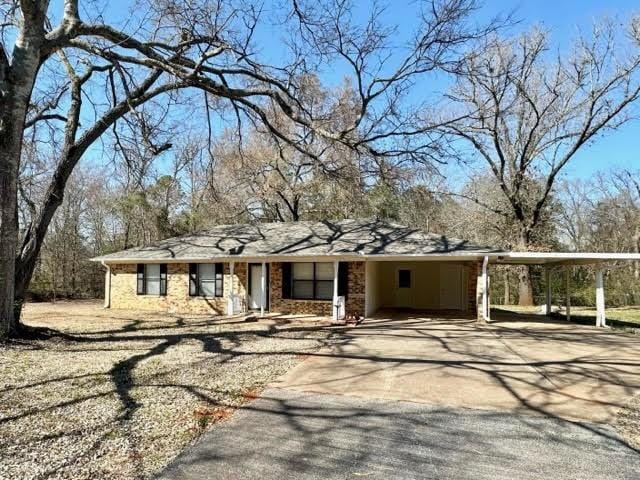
525, 287
10, 141
16, 84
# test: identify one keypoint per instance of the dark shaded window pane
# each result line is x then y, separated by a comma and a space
303, 289
404, 278
324, 290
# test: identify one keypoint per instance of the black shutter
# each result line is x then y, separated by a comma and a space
286, 280
163, 279
343, 279
193, 279
219, 279
140, 278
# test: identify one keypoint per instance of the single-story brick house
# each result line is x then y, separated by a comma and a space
348, 267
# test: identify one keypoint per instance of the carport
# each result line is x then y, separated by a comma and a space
434, 283
553, 262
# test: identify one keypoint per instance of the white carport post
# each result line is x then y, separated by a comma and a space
336, 266
567, 290
230, 300
263, 288
601, 320
485, 290
547, 279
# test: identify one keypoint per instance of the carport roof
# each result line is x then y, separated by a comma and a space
558, 258
345, 238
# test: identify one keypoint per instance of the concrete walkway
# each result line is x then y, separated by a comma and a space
527, 366
304, 436
409, 397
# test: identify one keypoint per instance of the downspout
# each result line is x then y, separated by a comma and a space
107, 285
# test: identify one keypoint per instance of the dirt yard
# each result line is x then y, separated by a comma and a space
118, 394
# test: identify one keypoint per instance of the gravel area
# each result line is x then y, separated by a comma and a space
628, 422
120, 393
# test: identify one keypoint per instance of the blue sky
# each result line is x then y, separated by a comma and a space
561, 17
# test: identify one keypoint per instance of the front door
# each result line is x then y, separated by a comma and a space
255, 286
404, 287
451, 279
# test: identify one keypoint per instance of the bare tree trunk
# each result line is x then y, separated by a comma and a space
525, 288
10, 142
16, 83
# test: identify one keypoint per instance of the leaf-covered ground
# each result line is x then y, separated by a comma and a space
118, 394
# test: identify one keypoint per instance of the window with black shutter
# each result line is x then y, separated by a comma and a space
206, 279
312, 281
151, 279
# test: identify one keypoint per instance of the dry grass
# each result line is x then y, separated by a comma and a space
627, 318
120, 393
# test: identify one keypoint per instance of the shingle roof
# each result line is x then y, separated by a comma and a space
325, 238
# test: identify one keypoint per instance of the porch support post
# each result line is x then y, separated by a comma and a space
485, 290
263, 288
567, 291
600, 309
336, 266
547, 279
230, 300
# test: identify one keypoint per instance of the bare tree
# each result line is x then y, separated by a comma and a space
53, 73
530, 110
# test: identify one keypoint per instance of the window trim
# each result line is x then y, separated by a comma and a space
314, 281
218, 280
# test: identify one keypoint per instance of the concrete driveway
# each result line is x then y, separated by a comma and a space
409, 397
525, 366
303, 436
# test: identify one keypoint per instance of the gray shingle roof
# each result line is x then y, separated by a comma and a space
326, 238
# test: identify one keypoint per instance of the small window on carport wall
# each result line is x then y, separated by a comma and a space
404, 278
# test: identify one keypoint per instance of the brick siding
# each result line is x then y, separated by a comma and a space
177, 299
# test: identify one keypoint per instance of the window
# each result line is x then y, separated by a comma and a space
312, 281
206, 279
404, 278
152, 279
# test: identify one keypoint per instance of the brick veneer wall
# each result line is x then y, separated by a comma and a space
473, 271
355, 295
177, 299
